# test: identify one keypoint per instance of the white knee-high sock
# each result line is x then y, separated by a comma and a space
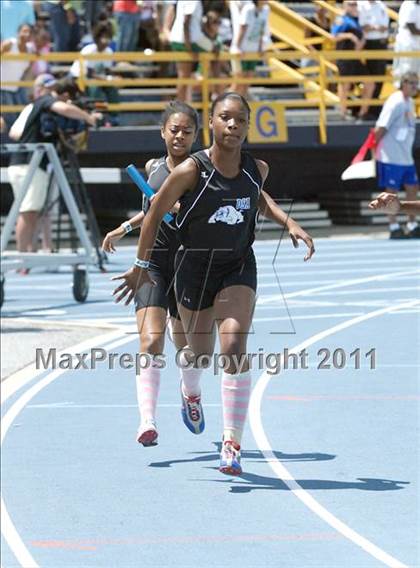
147, 383
190, 378
235, 398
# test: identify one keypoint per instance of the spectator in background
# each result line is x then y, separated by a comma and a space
374, 20
165, 20
408, 38
53, 102
251, 37
395, 134
185, 33
95, 69
127, 15
166, 17
13, 15
93, 10
348, 36
210, 42
15, 70
149, 32
235, 9
40, 45
320, 19
64, 25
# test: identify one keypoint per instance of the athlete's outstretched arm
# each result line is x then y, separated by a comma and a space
116, 234
182, 179
119, 232
392, 205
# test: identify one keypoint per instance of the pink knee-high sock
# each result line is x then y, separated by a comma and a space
190, 378
235, 398
147, 383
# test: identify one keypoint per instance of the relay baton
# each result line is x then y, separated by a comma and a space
144, 187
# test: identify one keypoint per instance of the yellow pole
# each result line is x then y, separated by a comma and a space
81, 80
205, 64
322, 105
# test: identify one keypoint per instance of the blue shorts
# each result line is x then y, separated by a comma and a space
394, 177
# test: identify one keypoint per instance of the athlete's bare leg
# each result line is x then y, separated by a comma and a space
234, 308
411, 193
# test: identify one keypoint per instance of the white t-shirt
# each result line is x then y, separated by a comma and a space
235, 8
90, 63
373, 14
257, 27
399, 119
185, 8
409, 14
13, 70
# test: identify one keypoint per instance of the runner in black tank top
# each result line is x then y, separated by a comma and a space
180, 123
228, 292
216, 222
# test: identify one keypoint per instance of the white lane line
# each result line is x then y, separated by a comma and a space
10, 534
376, 278
355, 263
373, 290
283, 473
307, 317
326, 254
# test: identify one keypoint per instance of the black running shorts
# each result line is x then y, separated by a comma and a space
197, 283
162, 295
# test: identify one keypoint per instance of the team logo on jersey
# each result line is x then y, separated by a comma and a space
227, 214
243, 203
204, 175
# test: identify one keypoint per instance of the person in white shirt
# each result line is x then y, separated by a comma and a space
374, 21
408, 38
250, 36
395, 134
185, 36
14, 70
96, 69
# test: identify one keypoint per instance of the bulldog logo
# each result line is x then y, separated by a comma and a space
227, 214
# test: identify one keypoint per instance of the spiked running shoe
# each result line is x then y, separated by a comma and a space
230, 458
147, 434
192, 413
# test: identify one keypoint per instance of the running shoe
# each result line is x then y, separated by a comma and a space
230, 458
414, 233
192, 413
147, 433
397, 234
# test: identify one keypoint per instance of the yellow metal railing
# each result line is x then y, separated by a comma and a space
315, 87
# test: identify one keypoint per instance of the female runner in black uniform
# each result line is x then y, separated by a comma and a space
220, 192
179, 130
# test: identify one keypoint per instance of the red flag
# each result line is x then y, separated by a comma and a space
367, 145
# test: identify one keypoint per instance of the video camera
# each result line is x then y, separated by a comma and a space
55, 127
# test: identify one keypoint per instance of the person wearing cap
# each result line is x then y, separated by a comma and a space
395, 133
51, 97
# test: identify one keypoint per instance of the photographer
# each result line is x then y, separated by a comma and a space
36, 124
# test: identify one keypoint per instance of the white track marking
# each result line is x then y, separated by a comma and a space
376, 278
280, 264
283, 473
326, 254
307, 317
8, 529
